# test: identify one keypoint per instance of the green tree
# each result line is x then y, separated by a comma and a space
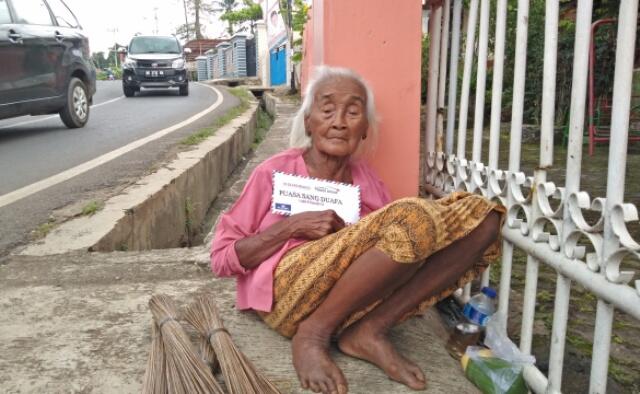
185, 32
99, 60
198, 7
251, 13
299, 18
224, 7
605, 53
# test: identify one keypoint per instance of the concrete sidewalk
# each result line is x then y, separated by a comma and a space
79, 322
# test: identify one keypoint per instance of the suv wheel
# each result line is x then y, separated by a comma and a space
129, 91
184, 90
75, 112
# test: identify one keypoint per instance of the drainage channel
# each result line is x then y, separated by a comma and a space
173, 207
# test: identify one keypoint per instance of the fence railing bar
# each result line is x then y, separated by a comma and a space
559, 331
481, 81
535, 379
519, 70
529, 304
466, 78
623, 82
549, 84
624, 297
435, 26
573, 169
494, 138
506, 264
529, 296
601, 348
563, 284
444, 47
453, 75
464, 100
578, 98
496, 89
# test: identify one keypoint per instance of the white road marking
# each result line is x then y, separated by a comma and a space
33, 188
55, 116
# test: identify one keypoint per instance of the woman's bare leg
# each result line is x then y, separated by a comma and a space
369, 278
367, 339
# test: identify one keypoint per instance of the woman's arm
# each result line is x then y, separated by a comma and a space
253, 250
239, 245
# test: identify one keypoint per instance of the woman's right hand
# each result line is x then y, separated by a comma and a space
314, 225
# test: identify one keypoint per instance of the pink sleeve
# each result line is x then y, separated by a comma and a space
241, 221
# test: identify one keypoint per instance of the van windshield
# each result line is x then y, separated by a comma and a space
154, 45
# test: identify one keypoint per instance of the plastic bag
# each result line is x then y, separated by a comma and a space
492, 375
501, 346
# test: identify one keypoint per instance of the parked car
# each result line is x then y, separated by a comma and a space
45, 64
155, 62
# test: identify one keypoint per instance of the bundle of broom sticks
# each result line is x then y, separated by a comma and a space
174, 367
239, 374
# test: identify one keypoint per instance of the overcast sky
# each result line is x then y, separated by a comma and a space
118, 20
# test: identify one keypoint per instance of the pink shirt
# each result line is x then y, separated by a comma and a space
251, 214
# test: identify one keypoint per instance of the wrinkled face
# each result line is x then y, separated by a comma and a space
338, 121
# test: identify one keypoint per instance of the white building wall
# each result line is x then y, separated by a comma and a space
262, 58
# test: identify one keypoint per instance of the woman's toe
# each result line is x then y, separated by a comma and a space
324, 388
313, 387
330, 386
417, 372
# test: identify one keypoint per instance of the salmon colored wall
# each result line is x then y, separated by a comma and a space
382, 43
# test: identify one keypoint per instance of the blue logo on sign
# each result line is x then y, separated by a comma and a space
283, 207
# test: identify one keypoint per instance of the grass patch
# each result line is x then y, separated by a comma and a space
45, 228
264, 124
243, 95
92, 207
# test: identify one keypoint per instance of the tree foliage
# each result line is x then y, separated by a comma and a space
605, 54
225, 7
99, 60
251, 12
299, 18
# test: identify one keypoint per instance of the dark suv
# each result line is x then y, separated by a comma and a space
45, 64
154, 62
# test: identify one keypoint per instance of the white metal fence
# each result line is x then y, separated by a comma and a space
544, 220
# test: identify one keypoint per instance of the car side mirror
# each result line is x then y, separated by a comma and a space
187, 50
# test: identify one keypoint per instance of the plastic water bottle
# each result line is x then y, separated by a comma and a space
480, 307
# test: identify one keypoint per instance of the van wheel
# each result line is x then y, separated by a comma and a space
75, 112
184, 90
129, 91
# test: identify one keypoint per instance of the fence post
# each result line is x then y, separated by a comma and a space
435, 27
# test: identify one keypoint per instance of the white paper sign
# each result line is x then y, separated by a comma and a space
294, 194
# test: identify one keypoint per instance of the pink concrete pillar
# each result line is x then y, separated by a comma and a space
381, 40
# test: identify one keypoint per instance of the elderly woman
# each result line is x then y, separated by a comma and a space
310, 276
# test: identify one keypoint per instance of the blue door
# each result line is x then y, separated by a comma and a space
278, 65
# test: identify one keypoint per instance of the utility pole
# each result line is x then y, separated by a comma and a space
115, 45
155, 18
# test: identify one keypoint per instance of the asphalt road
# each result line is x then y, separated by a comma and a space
33, 150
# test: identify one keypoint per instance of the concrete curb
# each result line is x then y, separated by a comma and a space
160, 209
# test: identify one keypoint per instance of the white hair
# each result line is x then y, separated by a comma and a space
299, 138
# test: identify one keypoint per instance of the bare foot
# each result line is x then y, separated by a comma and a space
362, 341
316, 370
